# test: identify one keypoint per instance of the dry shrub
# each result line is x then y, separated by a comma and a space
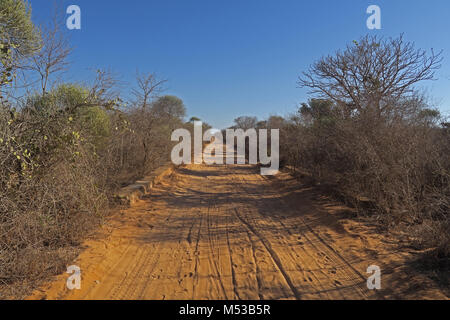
63, 156
142, 146
396, 168
371, 136
49, 194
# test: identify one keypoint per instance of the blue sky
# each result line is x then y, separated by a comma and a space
232, 58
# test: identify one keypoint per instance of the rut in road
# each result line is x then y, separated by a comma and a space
226, 232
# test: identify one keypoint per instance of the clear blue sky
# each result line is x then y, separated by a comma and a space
240, 57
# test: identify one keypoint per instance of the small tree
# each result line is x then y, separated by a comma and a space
245, 122
316, 111
370, 75
52, 58
275, 122
169, 107
148, 87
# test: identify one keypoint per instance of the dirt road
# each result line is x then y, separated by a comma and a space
226, 232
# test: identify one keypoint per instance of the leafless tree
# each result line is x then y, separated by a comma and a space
372, 74
105, 88
148, 87
52, 59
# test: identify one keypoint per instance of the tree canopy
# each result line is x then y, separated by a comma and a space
169, 106
19, 37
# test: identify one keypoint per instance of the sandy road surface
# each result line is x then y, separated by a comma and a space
226, 232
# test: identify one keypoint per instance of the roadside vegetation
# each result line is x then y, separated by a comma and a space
65, 148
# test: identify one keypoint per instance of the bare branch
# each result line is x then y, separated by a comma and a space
53, 57
148, 87
371, 73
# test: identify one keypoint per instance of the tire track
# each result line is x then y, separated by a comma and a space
233, 272
225, 232
323, 250
272, 254
212, 254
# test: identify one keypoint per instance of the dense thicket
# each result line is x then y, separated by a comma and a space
65, 148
